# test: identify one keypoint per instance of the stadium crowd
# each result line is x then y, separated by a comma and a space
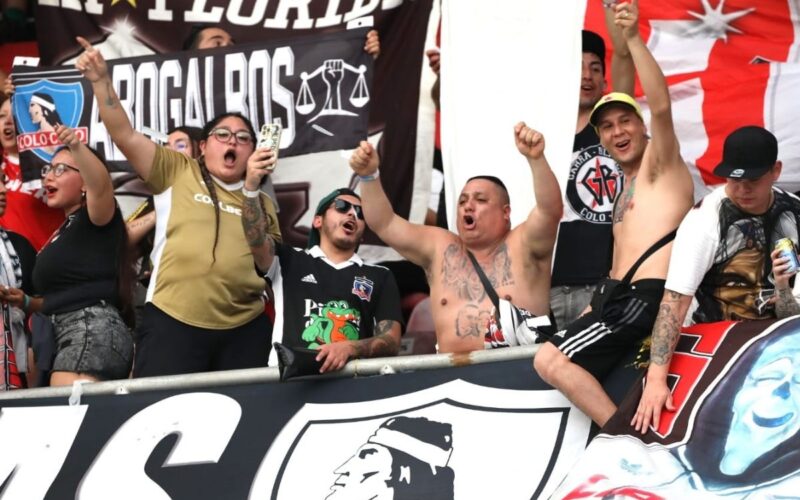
185, 288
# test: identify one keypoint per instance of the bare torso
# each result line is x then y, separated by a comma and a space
651, 205
460, 305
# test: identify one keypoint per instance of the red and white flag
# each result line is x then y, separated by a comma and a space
728, 64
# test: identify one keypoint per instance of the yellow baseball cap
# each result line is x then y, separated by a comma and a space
614, 98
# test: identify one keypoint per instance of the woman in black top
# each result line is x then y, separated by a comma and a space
82, 272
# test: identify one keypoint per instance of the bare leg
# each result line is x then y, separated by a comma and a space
578, 385
67, 378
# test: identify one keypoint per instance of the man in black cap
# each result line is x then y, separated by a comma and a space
724, 257
327, 298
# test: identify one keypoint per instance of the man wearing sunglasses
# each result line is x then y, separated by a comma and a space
331, 300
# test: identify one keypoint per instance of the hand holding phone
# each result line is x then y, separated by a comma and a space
270, 137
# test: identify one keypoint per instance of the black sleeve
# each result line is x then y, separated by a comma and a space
388, 306
27, 260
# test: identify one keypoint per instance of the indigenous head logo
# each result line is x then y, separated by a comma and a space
433, 443
405, 458
362, 288
39, 107
594, 181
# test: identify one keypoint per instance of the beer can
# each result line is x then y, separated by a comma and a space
786, 248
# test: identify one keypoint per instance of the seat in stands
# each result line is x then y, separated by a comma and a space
420, 336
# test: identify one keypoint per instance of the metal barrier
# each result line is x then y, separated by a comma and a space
355, 368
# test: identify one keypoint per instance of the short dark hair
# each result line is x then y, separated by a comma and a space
193, 40
194, 135
496, 181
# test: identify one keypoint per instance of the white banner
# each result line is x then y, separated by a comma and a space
502, 65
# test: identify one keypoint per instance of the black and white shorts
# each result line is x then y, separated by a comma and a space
597, 340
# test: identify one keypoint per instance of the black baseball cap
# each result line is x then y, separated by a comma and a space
322, 206
594, 44
749, 153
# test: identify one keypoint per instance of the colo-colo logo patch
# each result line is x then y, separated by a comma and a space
39, 107
594, 181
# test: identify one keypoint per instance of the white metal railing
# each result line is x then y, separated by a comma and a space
355, 368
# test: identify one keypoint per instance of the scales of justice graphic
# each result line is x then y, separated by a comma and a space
332, 72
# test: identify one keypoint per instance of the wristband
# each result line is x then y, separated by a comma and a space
370, 177
26, 302
250, 194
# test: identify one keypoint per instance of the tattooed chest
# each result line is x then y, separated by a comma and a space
625, 201
460, 277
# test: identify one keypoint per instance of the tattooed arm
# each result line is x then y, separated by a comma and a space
666, 330
255, 219
384, 342
256, 232
785, 303
138, 149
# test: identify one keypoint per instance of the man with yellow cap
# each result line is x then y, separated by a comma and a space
657, 193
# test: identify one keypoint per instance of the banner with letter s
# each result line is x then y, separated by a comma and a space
445, 434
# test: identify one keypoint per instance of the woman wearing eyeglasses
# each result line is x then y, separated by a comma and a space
205, 310
83, 273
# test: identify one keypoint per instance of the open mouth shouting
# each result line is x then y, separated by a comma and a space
623, 146
229, 158
9, 134
50, 191
350, 227
469, 221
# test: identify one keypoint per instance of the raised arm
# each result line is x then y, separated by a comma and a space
138, 149
664, 141
666, 330
100, 201
254, 217
415, 242
623, 73
539, 230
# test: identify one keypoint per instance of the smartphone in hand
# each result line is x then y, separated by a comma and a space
270, 137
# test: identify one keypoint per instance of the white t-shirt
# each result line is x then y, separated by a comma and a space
698, 243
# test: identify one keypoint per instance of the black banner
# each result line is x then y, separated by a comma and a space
127, 28
317, 88
448, 433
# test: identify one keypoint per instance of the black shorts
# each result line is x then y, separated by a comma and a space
620, 318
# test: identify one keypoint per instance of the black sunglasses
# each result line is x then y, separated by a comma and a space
344, 206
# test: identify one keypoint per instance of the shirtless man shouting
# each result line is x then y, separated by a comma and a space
516, 261
657, 194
